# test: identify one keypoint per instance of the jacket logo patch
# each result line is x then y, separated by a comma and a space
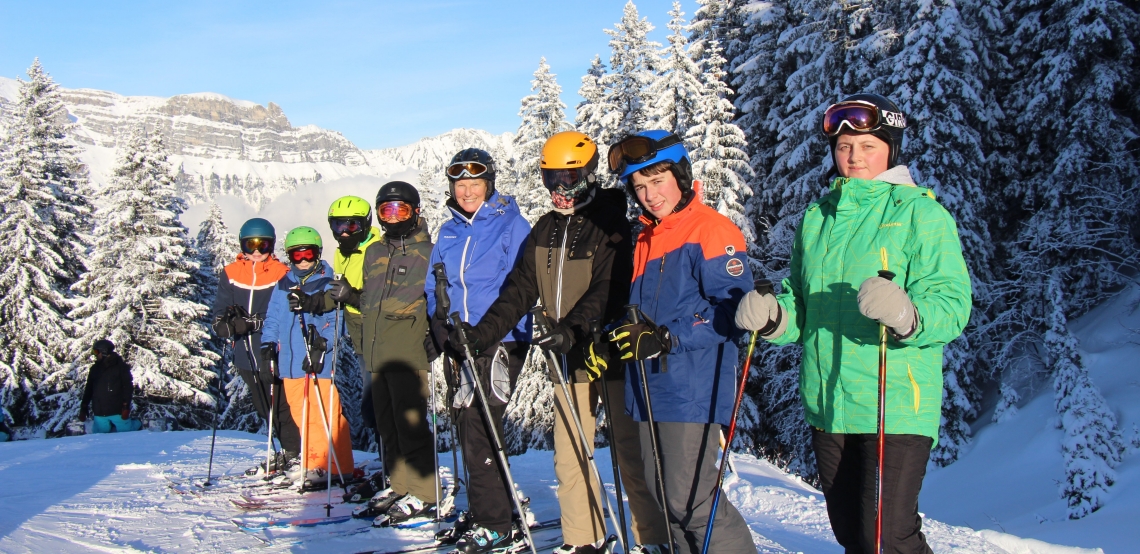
734, 267
891, 224
730, 250
402, 271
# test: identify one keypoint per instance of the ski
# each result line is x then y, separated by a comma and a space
300, 522
547, 536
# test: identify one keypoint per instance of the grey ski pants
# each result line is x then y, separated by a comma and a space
689, 458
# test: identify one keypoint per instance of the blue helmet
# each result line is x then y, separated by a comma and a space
257, 227
629, 156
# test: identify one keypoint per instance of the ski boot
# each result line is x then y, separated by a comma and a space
649, 549
479, 539
377, 505
366, 490
406, 508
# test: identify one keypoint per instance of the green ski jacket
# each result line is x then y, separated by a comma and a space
839, 245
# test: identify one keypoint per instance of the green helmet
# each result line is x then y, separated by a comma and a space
303, 236
350, 206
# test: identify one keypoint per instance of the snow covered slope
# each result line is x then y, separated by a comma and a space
1008, 481
104, 493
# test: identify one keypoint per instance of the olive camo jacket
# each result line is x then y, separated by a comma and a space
393, 304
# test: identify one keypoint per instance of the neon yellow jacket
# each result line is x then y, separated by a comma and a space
837, 247
352, 267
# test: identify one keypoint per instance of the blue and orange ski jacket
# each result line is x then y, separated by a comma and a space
689, 272
249, 285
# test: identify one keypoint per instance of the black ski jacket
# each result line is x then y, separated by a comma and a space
109, 386
579, 267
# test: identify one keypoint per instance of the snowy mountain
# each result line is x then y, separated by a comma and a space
224, 146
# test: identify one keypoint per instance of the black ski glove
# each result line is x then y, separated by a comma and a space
343, 293
596, 364
301, 302
222, 326
558, 341
641, 341
455, 341
429, 348
314, 362
269, 361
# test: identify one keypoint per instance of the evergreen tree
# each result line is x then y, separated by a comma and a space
595, 116
678, 88
136, 291
529, 419
634, 64
717, 146
1074, 190
350, 389
938, 82
543, 115
42, 188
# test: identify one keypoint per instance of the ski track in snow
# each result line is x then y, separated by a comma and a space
115, 493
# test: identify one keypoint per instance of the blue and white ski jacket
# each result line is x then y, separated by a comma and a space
689, 272
283, 327
478, 253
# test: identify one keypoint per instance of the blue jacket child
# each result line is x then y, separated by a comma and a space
283, 326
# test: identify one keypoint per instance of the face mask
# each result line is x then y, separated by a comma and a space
398, 230
565, 199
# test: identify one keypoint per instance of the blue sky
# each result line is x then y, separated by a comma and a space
382, 73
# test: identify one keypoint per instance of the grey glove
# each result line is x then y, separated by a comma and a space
762, 314
886, 302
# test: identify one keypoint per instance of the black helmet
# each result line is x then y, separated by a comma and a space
398, 190
889, 128
456, 169
103, 346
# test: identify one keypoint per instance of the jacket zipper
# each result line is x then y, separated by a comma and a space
462, 281
561, 265
252, 288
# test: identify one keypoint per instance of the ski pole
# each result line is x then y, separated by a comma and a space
596, 334
214, 433
331, 458
307, 335
634, 317
332, 390
442, 307
469, 367
762, 286
885, 273
544, 327
269, 408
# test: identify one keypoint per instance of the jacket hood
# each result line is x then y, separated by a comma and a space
897, 175
495, 206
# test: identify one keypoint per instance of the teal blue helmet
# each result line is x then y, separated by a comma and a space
647, 148
257, 227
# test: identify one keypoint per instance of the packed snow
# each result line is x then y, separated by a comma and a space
117, 492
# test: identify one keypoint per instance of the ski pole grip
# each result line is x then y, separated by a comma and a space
455, 321
632, 313
596, 331
888, 275
540, 319
763, 286
442, 300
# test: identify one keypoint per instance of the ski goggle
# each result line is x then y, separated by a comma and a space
638, 149
304, 254
858, 116
565, 178
466, 169
348, 225
256, 244
394, 211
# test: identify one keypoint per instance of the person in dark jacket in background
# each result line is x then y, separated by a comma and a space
577, 264
108, 391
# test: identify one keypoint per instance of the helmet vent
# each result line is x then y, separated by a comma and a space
579, 145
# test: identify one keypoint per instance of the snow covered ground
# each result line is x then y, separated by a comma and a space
1009, 480
111, 493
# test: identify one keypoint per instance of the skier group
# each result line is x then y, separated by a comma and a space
645, 328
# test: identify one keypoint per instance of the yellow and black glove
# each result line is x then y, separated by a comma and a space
595, 361
641, 341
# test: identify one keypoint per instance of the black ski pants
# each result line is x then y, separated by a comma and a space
284, 428
689, 454
847, 473
400, 399
487, 496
